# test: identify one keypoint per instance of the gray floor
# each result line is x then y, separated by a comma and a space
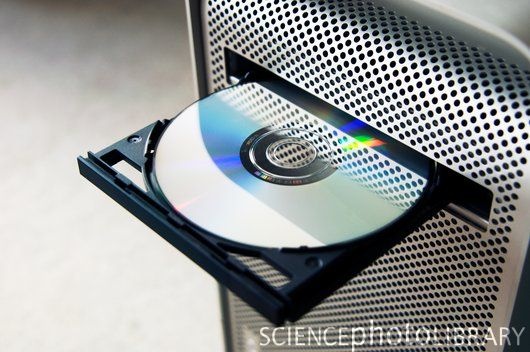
510, 15
78, 273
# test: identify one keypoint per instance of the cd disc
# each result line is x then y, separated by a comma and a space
250, 166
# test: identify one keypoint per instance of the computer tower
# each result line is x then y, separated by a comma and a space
455, 92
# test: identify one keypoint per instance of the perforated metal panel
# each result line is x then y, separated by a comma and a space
455, 103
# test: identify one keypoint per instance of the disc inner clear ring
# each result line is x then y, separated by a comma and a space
284, 157
198, 169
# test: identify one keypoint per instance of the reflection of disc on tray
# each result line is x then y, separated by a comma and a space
281, 177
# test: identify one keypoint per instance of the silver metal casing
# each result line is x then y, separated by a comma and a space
453, 90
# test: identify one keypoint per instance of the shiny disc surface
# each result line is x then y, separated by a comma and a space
252, 167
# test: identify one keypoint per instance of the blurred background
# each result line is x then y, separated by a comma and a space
77, 272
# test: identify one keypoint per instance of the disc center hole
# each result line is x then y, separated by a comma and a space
291, 153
